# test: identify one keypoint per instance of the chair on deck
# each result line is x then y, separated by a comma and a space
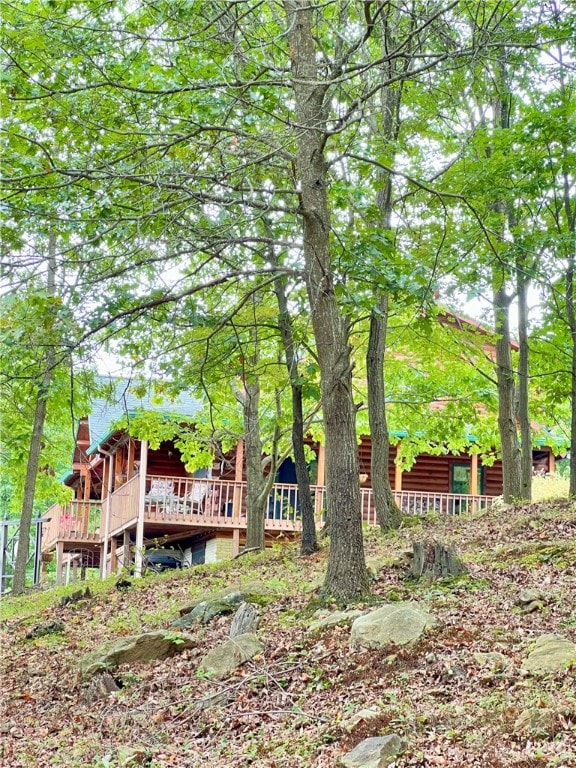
195, 501
204, 499
161, 493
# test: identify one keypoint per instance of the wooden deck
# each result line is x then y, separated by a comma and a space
176, 505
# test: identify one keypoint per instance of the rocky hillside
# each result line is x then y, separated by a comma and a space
473, 671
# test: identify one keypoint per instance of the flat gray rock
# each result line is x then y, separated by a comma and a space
377, 752
257, 592
222, 660
531, 600
136, 649
50, 628
336, 618
552, 653
400, 624
205, 611
528, 596
362, 716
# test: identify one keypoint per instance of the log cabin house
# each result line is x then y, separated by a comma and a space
128, 497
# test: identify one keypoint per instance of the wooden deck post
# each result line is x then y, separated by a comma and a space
235, 542
474, 474
139, 557
59, 561
238, 475
107, 510
397, 475
105, 475
84, 509
320, 482
474, 481
126, 549
118, 469
551, 462
113, 555
131, 455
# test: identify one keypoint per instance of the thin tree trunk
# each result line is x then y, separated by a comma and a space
522, 402
570, 216
523, 379
255, 509
346, 576
510, 447
572, 486
19, 580
387, 511
507, 406
308, 542
571, 313
258, 485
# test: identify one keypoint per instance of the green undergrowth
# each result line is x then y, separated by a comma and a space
38, 599
531, 555
263, 576
458, 585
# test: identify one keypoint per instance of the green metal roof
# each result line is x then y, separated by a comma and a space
107, 411
546, 438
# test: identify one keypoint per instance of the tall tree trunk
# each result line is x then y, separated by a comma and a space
571, 314
308, 542
19, 580
507, 405
523, 379
522, 402
387, 511
510, 447
572, 486
346, 576
569, 208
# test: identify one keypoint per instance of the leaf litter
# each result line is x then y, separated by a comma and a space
294, 705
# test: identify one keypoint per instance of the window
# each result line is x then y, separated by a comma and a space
460, 478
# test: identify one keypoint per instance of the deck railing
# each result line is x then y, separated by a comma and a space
216, 503
423, 503
443, 504
167, 497
75, 520
51, 527
123, 506
222, 503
